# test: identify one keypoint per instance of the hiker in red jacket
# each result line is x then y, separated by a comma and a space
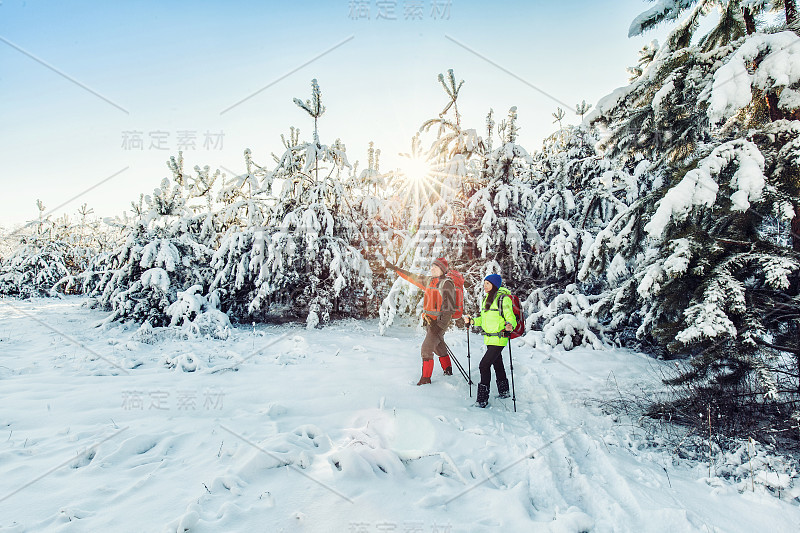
439, 304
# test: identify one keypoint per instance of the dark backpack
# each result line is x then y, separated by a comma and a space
518, 331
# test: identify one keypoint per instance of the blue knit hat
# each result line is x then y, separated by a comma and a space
495, 280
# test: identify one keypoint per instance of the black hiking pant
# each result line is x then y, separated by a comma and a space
492, 358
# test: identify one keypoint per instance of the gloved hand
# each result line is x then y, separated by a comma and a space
467, 320
431, 322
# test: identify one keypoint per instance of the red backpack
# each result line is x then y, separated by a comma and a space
518, 331
458, 281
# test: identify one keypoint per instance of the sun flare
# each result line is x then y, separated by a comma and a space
419, 178
415, 170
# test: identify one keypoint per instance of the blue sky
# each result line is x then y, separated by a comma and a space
176, 68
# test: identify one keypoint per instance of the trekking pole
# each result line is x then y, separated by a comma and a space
467, 376
513, 392
458, 364
469, 363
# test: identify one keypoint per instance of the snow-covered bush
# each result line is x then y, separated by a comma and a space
199, 314
562, 321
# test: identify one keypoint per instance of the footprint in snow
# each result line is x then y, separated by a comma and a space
66, 514
83, 460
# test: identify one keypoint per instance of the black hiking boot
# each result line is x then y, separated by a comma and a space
482, 399
448, 371
502, 388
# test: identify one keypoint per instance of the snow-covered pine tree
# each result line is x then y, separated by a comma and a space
456, 157
377, 215
163, 257
558, 116
245, 206
505, 242
654, 131
577, 193
434, 199
302, 260
50, 254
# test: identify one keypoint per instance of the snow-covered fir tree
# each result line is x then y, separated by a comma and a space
694, 264
455, 157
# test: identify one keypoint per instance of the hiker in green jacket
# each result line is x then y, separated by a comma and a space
496, 322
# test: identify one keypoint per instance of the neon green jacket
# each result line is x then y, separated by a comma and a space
492, 323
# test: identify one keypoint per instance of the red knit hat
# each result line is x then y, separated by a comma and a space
441, 262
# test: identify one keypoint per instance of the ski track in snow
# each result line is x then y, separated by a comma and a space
326, 431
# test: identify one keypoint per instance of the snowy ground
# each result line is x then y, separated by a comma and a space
325, 430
